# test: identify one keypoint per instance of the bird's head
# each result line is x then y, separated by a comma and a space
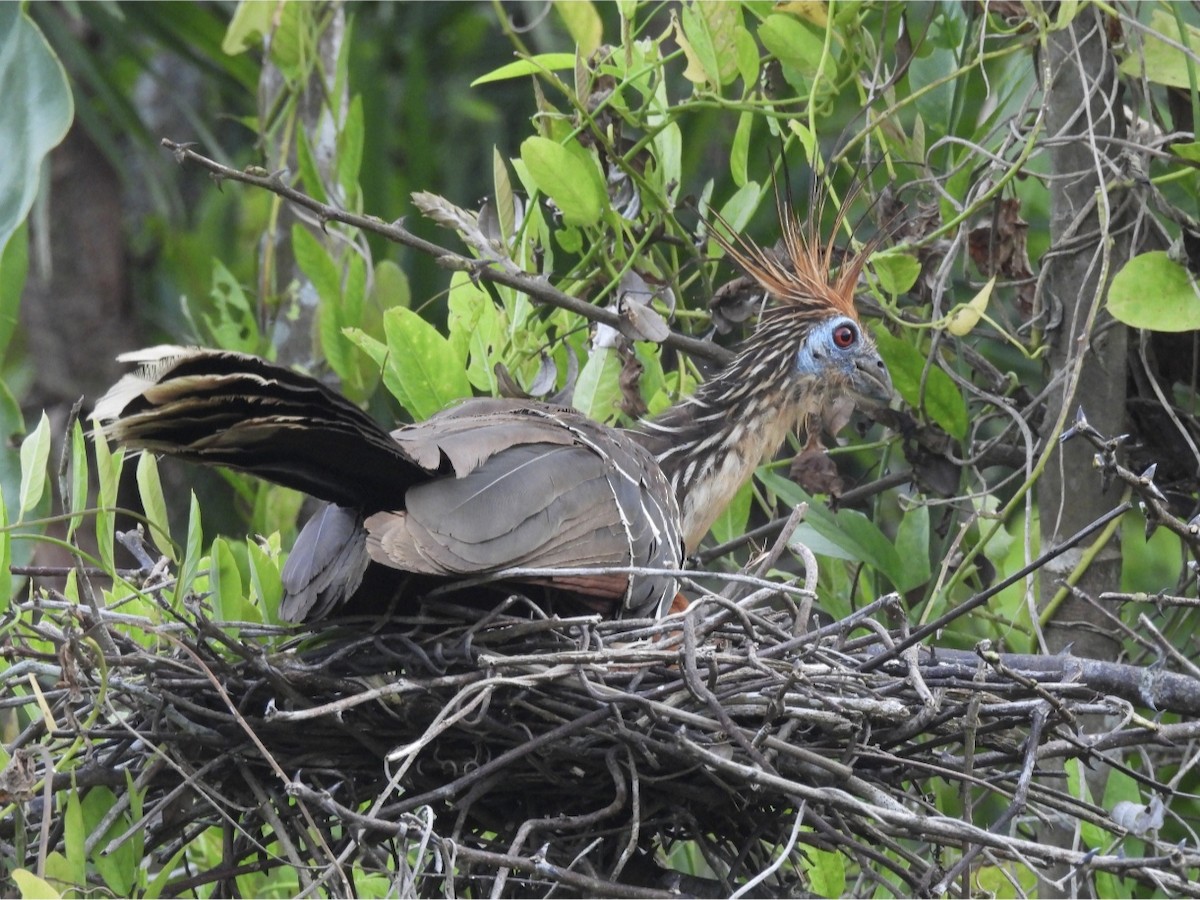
810, 319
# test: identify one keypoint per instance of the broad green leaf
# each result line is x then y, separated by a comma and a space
316, 263
74, 838
964, 317
32, 887
505, 208
942, 401
746, 49
1153, 291
583, 24
475, 329
422, 369
912, 545
1189, 150
897, 272
192, 552
155, 889
350, 150
235, 324
543, 62
598, 388
14, 266
808, 141
265, 580
117, 868
251, 22
739, 153
710, 34
1165, 63
792, 43
741, 206
310, 173
79, 478
155, 506
108, 474
292, 23
668, 151
35, 114
569, 175
35, 453
847, 534
391, 286
225, 582
826, 871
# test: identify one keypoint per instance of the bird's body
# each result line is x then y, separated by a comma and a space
490, 485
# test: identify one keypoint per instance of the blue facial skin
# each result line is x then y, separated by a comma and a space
820, 353
853, 359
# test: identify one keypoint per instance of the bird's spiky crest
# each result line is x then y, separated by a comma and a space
811, 282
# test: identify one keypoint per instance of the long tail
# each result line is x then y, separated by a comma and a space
219, 408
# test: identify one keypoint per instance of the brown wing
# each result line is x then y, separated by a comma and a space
531, 485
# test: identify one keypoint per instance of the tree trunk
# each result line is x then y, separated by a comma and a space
1087, 357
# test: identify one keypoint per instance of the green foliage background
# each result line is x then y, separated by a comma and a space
637, 122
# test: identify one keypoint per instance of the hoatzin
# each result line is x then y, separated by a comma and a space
490, 484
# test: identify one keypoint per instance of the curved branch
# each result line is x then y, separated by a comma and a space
536, 287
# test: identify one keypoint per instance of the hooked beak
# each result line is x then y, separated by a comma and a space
870, 380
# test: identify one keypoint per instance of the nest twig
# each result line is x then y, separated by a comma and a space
462, 752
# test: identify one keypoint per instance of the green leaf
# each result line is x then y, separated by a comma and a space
746, 49
897, 272
155, 506
35, 453
226, 582
569, 175
191, 554
1153, 291
265, 580
74, 839
847, 534
826, 870
14, 266
251, 22
709, 40
598, 388
156, 887
912, 546
310, 174
583, 24
108, 474
543, 62
235, 325
1165, 63
475, 329
741, 206
505, 207
350, 148
32, 887
421, 368
942, 401
79, 478
739, 153
792, 43
36, 112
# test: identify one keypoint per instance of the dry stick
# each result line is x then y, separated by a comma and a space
536, 287
1015, 808
984, 596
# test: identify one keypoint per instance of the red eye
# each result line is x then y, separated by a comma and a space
844, 336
